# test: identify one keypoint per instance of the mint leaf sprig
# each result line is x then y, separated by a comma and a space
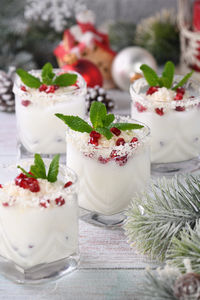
48, 77
166, 80
38, 170
100, 120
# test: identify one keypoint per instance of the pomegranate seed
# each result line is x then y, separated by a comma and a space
180, 90
120, 141
95, 135
44, 204
115, 131
60, 201
27, 183
140, 107
5, 204
50, 89
103, 160
180, 108
1, 186
56, 87
113, 154
178, 96
68, 184
121, 160
134, 140
159, 111
43, 88
152, 90
94, 141
23, 88
26, 102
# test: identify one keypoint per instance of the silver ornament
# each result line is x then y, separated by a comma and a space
127, 62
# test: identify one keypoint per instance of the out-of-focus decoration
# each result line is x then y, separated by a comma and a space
84, 40
31, 29
121, 35
7, 99
99, 94
159, 35
87, 69
189, 23
127, 63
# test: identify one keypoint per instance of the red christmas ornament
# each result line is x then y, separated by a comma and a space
88, 70
196, 15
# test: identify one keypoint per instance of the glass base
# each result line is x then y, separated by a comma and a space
40, 273
168, 169
113, 221
22, 153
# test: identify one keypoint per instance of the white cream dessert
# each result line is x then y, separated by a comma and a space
110, 170
38, 220
38, 128
173, 117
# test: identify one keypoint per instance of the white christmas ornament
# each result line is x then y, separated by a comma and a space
127, 62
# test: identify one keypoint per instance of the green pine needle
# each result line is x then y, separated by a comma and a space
157, 217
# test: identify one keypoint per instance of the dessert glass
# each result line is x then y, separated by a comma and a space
174, 125
109, 175
38, 235
38, 128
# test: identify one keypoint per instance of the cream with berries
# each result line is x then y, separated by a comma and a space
39, 95
111, 156
169, 105
42, 201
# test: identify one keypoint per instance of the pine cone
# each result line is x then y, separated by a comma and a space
7, 100
187, 287
98, 94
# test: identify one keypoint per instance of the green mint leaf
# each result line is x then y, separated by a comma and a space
28, 79
108, 120
39, 167
47, 74
168, 75
97, 114
104, 131
183, 81
65, 79
75, 123
53, 169
126, 126
150, 75
26, 173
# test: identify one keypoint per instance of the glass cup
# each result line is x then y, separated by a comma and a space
38, 128
174, 125
38, 232
109, 175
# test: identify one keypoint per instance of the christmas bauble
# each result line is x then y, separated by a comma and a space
7, 99
88, 70
127, 62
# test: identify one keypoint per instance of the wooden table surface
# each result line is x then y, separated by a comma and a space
109, 269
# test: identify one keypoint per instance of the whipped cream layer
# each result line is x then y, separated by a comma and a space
108, 184
31, 234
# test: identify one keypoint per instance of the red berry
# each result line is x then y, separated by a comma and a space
152, 90
60, 201
115, 131
5, 204
95, 135
180, 90
103, 160
178, 96
44, 204
120, 141
159, 111
113, 154
50, 89
43, 88
121, 160
56, 87
27, 183
25, 102
134, 140
94, 141
180, 108
140, 107
67, 184
1, 186
23, 88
